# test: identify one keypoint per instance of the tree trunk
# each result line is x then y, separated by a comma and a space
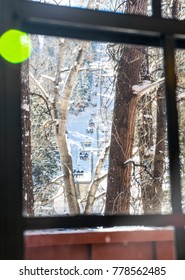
146, 142
66, 159
175, 5
123, 125
95, 182
151, 164
28, 200
159, 157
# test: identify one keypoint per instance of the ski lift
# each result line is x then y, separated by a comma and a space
104, 130
91, 123
81, 107
72, 109
93, 113
90, 130
86, 143
84, 155
94, 104
89, 98
86, 103
78, 172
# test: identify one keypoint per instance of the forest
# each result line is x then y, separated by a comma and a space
94, 122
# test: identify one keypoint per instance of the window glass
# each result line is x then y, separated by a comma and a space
169, 8
118, 6
173, 9
94, 133
180, 54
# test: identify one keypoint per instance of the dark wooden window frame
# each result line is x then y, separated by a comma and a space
46, 19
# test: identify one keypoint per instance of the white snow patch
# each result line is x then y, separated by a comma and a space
25, 107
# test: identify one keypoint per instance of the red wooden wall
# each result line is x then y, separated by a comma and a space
129, 244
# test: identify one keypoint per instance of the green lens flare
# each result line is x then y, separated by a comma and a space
15, 46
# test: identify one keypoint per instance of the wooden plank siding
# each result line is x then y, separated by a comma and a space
100, 245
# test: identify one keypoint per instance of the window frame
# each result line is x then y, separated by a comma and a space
47, 19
